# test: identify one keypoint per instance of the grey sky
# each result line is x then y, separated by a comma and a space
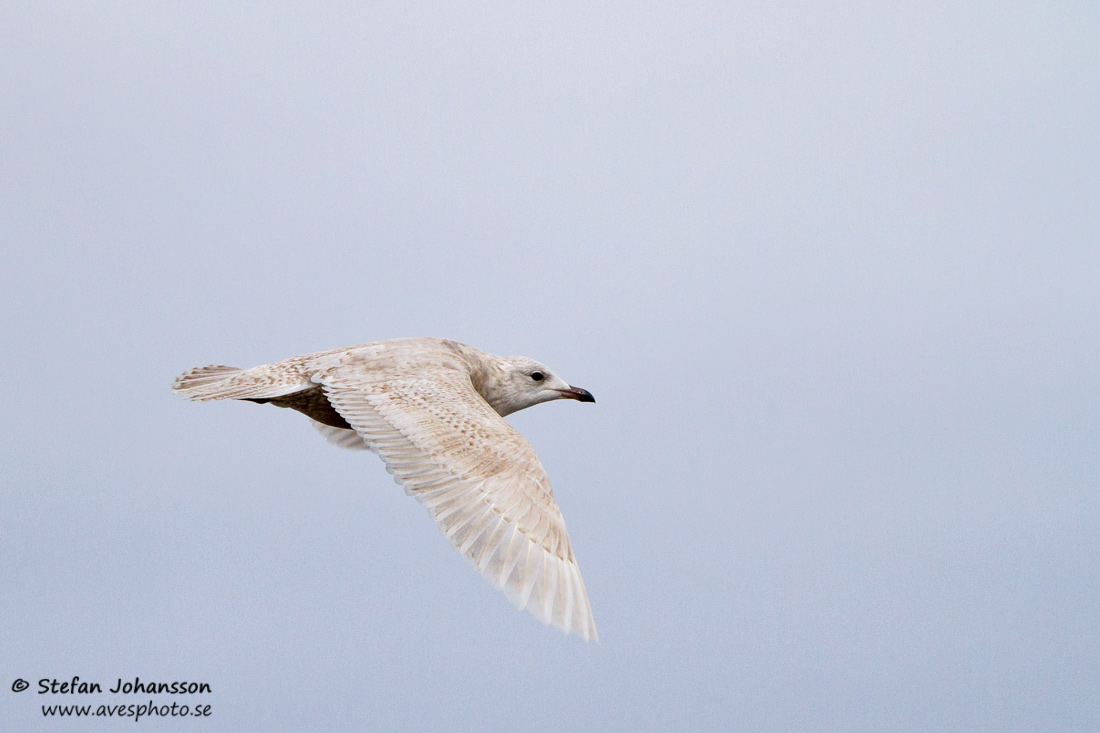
830, 270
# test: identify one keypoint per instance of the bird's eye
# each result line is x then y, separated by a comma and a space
538, 376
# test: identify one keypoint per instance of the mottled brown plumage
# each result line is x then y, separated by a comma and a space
432, 409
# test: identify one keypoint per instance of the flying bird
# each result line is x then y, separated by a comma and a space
433, 410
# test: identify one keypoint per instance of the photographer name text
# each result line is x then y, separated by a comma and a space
77, 686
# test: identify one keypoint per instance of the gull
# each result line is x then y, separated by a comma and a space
433, 410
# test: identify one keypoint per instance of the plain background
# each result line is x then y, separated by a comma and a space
830, 269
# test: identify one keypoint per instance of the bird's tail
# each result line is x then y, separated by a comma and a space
208, 383
259, 384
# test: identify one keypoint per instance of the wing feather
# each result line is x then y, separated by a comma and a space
478, 478
341, 437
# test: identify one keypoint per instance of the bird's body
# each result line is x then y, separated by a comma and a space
433, 410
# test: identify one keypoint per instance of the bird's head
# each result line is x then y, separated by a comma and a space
522, 382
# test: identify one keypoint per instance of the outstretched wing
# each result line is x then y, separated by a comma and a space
479, 479
340, 436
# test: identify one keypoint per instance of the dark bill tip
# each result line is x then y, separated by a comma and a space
576, 393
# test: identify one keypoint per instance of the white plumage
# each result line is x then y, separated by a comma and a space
433, 410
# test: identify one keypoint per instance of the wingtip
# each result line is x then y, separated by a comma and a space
528, 588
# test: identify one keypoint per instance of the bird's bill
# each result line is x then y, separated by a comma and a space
576, 393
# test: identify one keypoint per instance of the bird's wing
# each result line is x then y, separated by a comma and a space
341, 437
479, 479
